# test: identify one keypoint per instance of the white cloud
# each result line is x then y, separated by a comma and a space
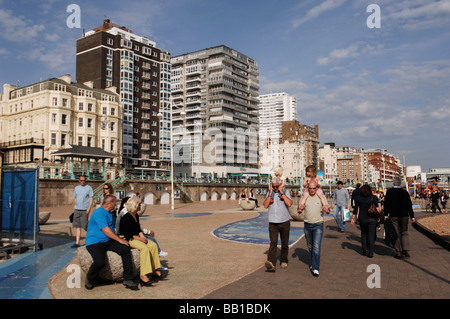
418, 15
289, 86
17, 28
316, 11
352, 51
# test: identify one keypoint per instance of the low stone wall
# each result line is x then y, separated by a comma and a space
60, 192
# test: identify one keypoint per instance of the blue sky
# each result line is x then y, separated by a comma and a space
385, 87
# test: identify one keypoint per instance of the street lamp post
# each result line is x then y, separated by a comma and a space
172, 194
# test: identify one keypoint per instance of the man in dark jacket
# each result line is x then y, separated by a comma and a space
398, 207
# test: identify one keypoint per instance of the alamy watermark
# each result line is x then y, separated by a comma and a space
74, 19
374, 20
374, 280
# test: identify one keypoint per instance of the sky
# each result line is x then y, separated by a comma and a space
381, 86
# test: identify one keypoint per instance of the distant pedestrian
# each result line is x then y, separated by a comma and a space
313, 226
251, 196
444, 200
367, 222
82, 206
279, 223
355, 193
398, 208
341, 201
435, 195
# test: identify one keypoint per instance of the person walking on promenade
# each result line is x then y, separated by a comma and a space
279, 223
435, 195
367, 222
444, 200
398, 207
83, 196
341, 200
313, 226
100, 238
355, 192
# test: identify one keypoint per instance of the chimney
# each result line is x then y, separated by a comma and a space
66, 78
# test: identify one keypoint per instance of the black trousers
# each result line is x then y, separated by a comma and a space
283, 230
368, 234
98, 253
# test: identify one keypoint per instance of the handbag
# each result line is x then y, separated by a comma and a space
346, 215
71, 218
373, 211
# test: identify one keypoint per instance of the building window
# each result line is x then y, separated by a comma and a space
55, 101
63, 139
54, 118
80, 141
89, 107
89, 141
63, 119
53, 139
64, 102
112, 145
89, 123
80, 122
80, 106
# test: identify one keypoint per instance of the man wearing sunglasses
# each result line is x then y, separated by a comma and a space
279, 223
313, 227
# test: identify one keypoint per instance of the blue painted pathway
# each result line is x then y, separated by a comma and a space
26, 276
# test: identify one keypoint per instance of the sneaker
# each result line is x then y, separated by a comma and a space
163, 254
270, 267
315, 273
75, 246
284, 265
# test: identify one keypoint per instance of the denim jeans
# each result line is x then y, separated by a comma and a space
339, 216
313, 234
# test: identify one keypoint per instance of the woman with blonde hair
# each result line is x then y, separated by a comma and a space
130, 229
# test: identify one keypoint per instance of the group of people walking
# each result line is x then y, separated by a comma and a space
367, 213
109, 229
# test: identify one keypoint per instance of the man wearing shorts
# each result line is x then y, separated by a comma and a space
83, 201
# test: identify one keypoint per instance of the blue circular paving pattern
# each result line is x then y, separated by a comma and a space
253, 231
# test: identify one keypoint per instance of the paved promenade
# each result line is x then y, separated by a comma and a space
344, 272
210, 257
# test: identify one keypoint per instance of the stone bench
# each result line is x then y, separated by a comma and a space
113, 269
248, 204
44, 217
296, 215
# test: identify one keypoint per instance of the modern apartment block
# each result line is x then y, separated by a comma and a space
274, 108
215, 98
41, 118
112, 56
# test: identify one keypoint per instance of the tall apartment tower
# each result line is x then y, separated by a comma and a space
215, 98
274, 108
112, 55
